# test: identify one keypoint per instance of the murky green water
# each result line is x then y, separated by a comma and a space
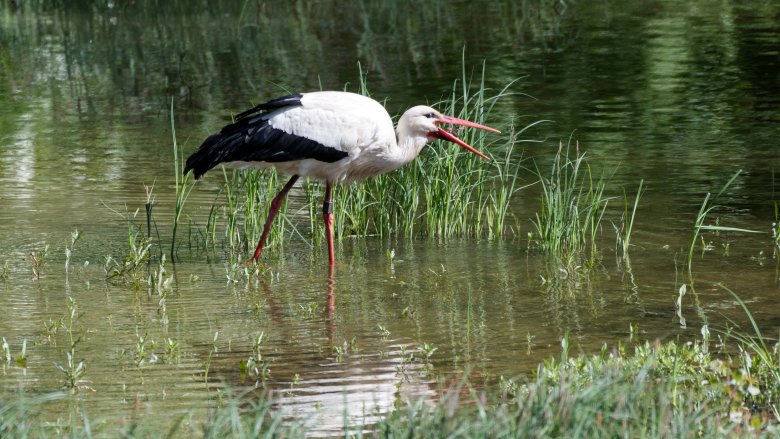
681, 96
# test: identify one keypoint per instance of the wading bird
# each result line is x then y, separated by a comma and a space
332, 136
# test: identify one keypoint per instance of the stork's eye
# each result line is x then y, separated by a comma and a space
430, 115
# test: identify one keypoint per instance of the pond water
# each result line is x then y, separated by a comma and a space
681, 96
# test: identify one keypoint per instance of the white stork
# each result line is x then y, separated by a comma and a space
332, 136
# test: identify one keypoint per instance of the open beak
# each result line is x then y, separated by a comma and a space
446, 135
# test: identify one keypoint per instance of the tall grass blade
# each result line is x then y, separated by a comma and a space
182, 185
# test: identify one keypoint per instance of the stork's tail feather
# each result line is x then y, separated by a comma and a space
206, 157
233, 139
252, 138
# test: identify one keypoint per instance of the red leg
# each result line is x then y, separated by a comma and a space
275, 205
331, 306
327, 215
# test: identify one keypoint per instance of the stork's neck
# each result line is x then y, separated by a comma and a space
409, 145
390, 156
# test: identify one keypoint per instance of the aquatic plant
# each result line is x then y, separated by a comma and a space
572, 206
767, 357
256, 367
707, 206
73, 370
18, 360
182, 186
144, 350
38, 261
623, 233
129, 268
74, 236
247, 195
148, 207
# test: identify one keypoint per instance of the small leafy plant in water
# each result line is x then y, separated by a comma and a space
74, 237
256, 367
707, 206
38, 260
144, 350
73, 370
19, 360
308, 311
426, 352
138, 254
172, 351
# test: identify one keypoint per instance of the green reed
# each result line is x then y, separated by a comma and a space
248, 193
623, 233
572, 206
767, 357
182, 187
246, 197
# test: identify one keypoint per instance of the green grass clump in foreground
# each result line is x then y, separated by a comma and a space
672, 390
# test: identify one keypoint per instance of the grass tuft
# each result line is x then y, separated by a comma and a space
182, 186
572, 206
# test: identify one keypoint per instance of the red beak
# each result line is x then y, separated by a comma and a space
446, 135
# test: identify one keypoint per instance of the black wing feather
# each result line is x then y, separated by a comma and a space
274, 104
254, 139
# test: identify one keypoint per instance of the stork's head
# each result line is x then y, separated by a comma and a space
422, 122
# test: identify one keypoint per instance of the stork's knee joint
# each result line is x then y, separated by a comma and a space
327, 207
